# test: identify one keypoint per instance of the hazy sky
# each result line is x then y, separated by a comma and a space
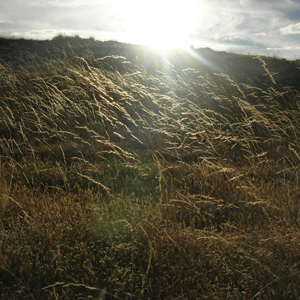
269, 27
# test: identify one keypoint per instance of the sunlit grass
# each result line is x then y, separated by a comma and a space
146, 181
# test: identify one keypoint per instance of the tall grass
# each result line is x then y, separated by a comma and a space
137, 182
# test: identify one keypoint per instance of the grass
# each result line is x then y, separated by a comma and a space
130, 180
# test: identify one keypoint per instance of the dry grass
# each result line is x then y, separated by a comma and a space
168, 184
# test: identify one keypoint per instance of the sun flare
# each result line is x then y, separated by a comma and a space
161, 24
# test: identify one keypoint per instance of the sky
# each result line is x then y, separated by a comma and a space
266, 27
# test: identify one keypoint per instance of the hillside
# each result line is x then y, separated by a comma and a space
243, 68
129, 173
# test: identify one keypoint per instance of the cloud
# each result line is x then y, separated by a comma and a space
3, 21
260, 34
284, 48
238, 41
37, 18
59, 3
34, 34
290, 29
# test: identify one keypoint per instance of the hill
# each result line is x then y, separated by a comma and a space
241, 67
131, 173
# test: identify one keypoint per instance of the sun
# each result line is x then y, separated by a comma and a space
158, 23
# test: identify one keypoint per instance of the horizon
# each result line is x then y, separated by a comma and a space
163, 50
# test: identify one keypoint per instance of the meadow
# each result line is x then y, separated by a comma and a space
129, 174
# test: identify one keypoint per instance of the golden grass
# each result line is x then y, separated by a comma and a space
169, 184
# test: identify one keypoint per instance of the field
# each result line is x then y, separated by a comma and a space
126, 173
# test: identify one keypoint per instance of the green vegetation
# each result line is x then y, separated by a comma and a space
139, 176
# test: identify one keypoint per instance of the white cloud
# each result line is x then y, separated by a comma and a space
284, 48
260, 34
290, 29
245, 3
34, 34
3, 21
59, 3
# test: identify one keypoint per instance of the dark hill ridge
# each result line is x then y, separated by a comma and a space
242, 68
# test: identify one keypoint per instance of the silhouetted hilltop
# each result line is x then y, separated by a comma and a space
242, 68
